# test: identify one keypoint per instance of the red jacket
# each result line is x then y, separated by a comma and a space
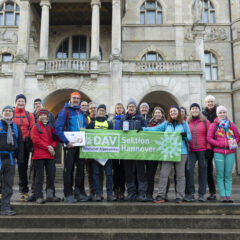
41, 141
20, 118
199, 131
220, 143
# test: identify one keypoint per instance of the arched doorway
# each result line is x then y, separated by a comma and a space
56, 100
160, 98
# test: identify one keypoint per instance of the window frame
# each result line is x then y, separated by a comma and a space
212, 66
6, 54
15, 11
158, 55
209, 9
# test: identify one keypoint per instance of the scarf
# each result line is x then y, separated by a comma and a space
9, 132
224, 127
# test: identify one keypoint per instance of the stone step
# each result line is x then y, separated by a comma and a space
123, 208
122, 221
119, 234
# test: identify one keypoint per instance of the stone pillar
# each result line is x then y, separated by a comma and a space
95, 35
199, 33
44, 34
179, 30
116, 61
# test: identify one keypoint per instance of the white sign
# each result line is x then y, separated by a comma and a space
77, 138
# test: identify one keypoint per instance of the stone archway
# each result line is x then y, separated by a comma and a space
160, 98
56, 100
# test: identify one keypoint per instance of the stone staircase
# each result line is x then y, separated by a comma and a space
115, 221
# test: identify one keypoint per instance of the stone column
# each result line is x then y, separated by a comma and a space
199, 33
95, 35
44, 34
116, 61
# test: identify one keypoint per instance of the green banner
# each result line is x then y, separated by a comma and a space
117, 144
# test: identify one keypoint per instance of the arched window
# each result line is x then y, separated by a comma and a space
9, 14
151, 12
211, 66
209, 12
152, 56
7, 57
76, 47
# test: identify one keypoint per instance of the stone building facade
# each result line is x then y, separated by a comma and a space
110, 50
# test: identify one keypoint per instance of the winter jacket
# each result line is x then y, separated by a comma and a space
20, 118
220, 143
136, 121
51, 119
154, 123
199, 131
17, 148
103, 120
147, 118
115, 121
41, 141
168, 127
210, 115
75, 122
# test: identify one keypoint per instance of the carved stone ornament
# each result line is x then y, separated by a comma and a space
8, 36
216, 33
197, 11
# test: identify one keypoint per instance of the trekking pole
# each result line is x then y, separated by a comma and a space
31, 166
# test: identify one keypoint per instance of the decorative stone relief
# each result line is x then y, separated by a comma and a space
188, 35
216, 33
34, 34
8, 36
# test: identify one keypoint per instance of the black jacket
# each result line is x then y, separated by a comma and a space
16, 148
135, 122
210, 115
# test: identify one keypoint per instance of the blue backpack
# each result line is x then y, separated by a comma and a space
15, 131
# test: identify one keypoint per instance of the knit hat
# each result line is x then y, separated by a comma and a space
144, 104
132, 101
221, 108
20, 96
75, 94
8, 107
175, 106
42, 111
102, 106
195, 105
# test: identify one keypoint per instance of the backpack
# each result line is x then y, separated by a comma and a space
15, 131
67, 118
27, 116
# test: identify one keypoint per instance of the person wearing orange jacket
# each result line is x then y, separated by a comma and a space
25, 120
44, 144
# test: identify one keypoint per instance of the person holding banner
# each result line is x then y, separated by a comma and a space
133, 121
223, 135
71, 118
174, 123
118, 165
101, 122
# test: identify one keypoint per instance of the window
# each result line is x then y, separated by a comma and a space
9, 14
208, 12
76, 47
7, 57
211, 66
152, 56
151, 12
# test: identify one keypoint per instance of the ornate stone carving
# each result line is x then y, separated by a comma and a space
34, 34
8, 36
216, 33
197, 11
188, 35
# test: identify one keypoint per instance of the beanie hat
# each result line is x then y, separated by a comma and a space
221, 108
132, 101
20, 96
75, 94
102, 106
8, 107
42, 111
195, 105
175, 106
144, 104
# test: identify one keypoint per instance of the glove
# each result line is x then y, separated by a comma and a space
183, 134
140, 129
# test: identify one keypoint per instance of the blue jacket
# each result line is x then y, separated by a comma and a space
115, 121
168, 127
74, 123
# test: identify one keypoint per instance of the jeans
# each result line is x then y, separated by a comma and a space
97, 186
224, 165
202, 172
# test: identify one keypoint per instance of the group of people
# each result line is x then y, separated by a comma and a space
24, 136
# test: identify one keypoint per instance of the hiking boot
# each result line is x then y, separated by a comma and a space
116, 194
53, 199
179, 200
40, 201
8, 212
70, 199
24, 197
149, 198
201, 198
98, 197
159, 199
142, 197
229, 200
32, 198
189, 198
212, 197
131, 197
166, 197
81, 198
121, 196
111, 198
223, 199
